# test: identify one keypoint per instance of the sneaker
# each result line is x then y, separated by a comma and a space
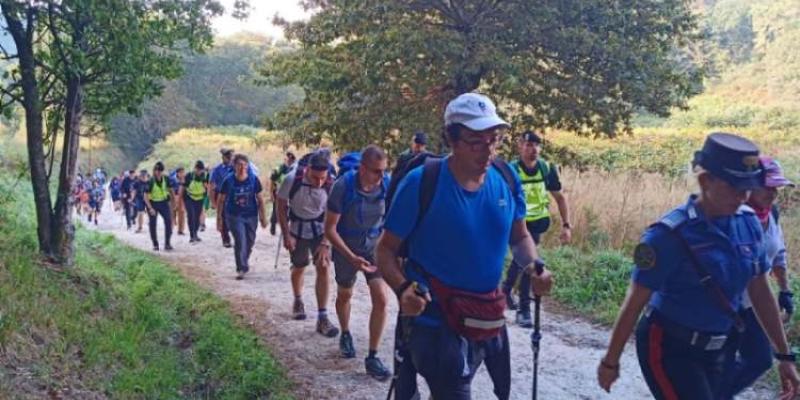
240, 275
226, 245
168, 248
155, 247
298, 310
524, 319
376, 369
180, 233
326, 328
346, 345
202, 228
511, 304
192, 240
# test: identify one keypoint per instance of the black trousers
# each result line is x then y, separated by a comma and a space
674, 369
193, 210
130, 214
536, 229
162, 208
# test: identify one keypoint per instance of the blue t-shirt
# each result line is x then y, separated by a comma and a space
463, 239
219, 173
240, 196
730, 248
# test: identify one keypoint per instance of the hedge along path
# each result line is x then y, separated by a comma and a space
570, 349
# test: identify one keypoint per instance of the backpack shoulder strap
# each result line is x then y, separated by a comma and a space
544, 166
350, 194
506, 172
776, 212
299, 173
427, 188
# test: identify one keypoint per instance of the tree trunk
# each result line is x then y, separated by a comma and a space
63, 233
23, 39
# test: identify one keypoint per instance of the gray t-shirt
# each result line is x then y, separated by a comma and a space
362, 220
308, 204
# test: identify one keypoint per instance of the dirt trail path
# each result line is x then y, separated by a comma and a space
570, 351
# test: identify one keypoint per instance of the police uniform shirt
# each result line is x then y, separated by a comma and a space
730, 248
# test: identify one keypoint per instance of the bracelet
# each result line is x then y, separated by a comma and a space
402, 288
791, 357
606, 365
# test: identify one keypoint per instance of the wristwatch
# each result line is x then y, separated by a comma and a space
791, 357
402, 288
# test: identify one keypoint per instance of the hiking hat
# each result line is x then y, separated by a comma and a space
199, 165
473, 110
773, 173
225, 151
731, 158
420, 138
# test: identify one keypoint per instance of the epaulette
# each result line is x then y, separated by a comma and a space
745, 209
674, 219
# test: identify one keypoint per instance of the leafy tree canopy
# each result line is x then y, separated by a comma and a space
371, 67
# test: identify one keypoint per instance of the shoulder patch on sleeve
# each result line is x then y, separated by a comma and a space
673, 219
644, 256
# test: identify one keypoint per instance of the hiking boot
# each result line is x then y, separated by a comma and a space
326, 328
197, 239
226, 245
168, 247
202, 228
346, 345
524, 319
192, 240
155, 247
240, 275
180, 233
298, 310
376, 369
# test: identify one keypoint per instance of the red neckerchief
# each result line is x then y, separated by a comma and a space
761, 213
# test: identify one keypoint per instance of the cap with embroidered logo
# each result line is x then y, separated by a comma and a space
475, 111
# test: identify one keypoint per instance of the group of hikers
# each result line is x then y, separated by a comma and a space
88, 194
436, 232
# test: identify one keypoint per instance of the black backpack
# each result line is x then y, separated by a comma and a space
300, 171
432, 166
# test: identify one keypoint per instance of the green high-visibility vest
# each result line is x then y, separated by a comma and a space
537, 200
196, 189
159, 191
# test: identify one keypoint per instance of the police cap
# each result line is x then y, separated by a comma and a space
732, 158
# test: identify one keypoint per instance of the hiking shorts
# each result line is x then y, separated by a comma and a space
346, 274
304, 250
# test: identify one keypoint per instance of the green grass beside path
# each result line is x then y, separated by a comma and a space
120, 324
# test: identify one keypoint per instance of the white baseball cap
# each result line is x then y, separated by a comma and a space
475, 111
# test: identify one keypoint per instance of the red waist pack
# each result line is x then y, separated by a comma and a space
475, 316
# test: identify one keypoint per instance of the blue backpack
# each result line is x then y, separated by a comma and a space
348, 162
352, 197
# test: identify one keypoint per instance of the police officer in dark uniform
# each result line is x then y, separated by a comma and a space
691, 270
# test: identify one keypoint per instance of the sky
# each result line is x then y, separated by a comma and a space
260, 19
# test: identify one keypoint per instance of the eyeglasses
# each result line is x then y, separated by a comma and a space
486, 142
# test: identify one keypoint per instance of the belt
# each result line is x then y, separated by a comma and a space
698, 339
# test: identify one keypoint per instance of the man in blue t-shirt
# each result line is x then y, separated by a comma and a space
240, 198
460, 244
218, 174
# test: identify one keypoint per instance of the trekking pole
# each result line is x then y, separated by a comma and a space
278, 252
536, 335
